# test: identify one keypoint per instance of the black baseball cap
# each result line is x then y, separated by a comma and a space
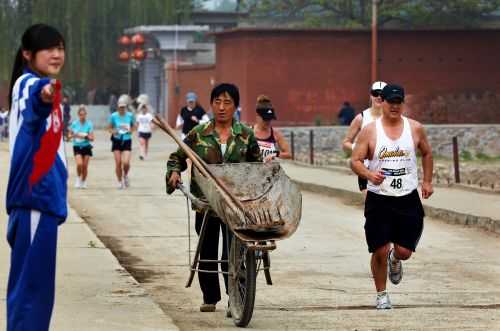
267, 113
393, 92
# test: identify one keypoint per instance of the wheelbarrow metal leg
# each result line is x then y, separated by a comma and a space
196, 259
267, 267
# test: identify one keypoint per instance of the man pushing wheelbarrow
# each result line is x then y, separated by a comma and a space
242, 198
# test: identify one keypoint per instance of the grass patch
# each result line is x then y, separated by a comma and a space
466, 156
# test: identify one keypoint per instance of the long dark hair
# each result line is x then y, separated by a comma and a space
36, 38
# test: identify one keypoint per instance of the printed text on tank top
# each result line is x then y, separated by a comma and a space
268, 146
396, 159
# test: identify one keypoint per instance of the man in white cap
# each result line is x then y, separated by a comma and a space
363, 119
191, 115
393, 210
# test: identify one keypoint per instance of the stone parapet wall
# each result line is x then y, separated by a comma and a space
473, 140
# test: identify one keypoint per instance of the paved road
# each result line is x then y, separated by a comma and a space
93, 292
321, 274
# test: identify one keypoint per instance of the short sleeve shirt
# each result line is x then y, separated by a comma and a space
123, 125
78, 128
144, 121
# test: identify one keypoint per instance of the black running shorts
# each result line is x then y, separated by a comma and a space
121, 145
83, 151
399, 220
145, 135
362, 183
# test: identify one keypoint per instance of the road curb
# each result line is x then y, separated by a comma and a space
446, 215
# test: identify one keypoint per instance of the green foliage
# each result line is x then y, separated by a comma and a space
465, 155
317, 120
485, 157
357, 13
91, 29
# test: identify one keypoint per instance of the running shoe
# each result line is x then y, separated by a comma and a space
126, 181
120, 185
78, 182
383, 301
395, 268
83, 184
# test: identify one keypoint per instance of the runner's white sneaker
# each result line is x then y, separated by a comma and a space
78, 182
120, 185
83, 184
126, 181
383, 301
394, 268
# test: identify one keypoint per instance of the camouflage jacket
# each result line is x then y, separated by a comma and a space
204, 141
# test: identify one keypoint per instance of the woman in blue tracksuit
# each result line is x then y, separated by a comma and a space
36, 192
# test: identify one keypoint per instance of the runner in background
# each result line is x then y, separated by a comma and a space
144, 120
82, 133
271, 142
121, 126
363, 119
190, 115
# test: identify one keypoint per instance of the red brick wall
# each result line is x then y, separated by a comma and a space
195, 78
449, 76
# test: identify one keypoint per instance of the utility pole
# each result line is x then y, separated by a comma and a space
374, 72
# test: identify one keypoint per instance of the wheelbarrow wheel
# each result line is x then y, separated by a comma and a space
242, 279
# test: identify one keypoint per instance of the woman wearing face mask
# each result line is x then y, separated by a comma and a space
36, 192
82, 133
363, 119
271, 141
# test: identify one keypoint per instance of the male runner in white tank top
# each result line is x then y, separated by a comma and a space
363, 119
393, 211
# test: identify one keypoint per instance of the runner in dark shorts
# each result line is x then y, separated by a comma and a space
81, 131
121, 125
144, 119
393, 211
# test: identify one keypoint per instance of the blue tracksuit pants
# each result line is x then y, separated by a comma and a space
32, 235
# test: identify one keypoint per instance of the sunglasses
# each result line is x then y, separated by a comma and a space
376, 93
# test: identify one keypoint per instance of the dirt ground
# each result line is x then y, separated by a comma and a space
321, 274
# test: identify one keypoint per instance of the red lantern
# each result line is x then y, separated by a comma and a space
124, 56
138, 39
139, 54
124, 40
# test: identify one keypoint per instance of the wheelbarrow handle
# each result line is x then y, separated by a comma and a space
198, 203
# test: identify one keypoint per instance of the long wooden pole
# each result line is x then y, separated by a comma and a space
226, 194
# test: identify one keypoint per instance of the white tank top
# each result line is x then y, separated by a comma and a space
397, 159
366, 117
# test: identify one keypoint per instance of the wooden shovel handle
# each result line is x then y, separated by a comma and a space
200, 164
